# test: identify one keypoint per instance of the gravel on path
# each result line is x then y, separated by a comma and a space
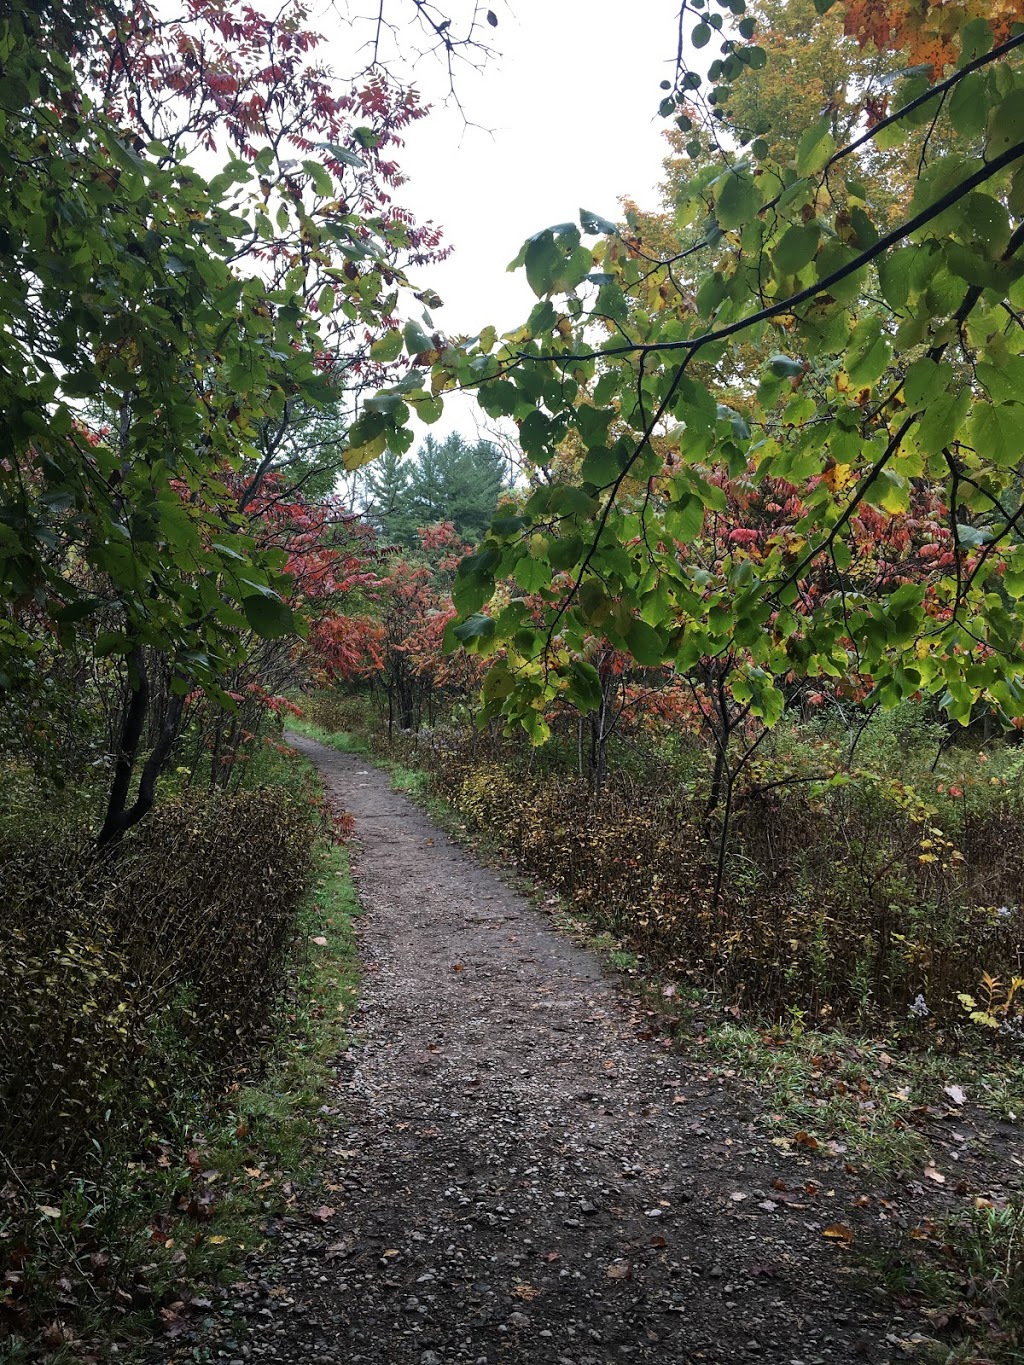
511, 1174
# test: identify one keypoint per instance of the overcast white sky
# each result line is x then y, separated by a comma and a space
565, 117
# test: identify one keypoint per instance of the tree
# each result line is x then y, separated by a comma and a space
387, 493
886, 363
449, 481
457, 482
196, 317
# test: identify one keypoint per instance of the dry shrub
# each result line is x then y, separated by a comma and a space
338, 713
848, 902
131, 978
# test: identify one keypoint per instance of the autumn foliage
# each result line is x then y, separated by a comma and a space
930, 32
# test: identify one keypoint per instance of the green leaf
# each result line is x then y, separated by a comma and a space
736, 198
796, 248
925, 380
584, 685
416, 339
565, 552
475, 627
543, 260
532, 574
470, 591
595, 224
969, 104
343, 155
644, 643
388, 347
601, 467
594, 603
973, 537
894, 275
785, 367
815, 147
1006, 123
942, 421
684, 520
77, 611
322, 182
996, 431
269, 617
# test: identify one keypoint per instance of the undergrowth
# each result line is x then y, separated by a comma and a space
111, 1219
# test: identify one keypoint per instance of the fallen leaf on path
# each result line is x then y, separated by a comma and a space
838, 1232
619, 1270
339, 1249
806, 1140
320, 941
323, 1214
932, 1173
458, 967
525, 1291
956, 1094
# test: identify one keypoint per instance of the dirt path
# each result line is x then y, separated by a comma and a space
517, 1177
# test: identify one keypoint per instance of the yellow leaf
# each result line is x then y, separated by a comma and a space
525, 1291
356, 456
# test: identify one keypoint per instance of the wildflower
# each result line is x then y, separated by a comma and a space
919, 1009
1004, 911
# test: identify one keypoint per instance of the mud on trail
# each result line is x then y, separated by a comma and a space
515, 1176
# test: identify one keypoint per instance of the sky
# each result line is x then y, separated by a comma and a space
565, 117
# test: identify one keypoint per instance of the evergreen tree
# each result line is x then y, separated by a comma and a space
457, 482
388, 499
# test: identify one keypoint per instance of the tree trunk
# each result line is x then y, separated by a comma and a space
120, 817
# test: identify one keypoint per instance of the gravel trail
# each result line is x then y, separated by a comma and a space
516, 1176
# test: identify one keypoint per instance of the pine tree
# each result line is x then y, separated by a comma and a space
388, 499
457, 482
